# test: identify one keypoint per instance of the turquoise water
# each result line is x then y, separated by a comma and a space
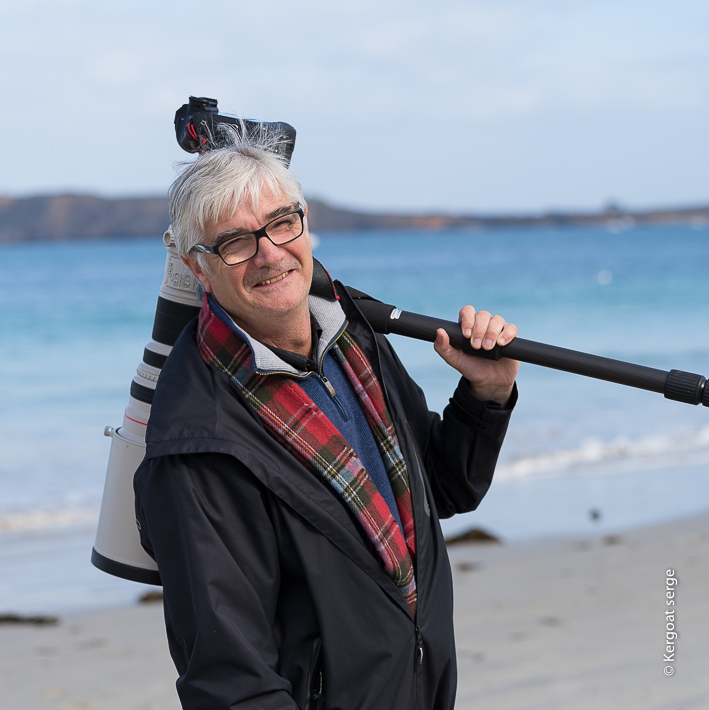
76, 317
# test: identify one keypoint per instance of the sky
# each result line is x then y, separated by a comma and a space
472, 106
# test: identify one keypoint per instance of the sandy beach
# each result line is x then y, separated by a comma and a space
580, 623
567, 623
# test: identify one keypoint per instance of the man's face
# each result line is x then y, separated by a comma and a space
260, 308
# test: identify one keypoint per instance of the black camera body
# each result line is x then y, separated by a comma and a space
197, 128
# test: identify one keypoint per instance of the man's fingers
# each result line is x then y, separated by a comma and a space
484, 329
482, 321
443, 347
466, 318
492, 333
508, 333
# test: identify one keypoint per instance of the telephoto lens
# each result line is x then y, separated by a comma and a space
117, 549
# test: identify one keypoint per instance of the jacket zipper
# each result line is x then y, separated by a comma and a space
418, 665
316, 687
419, 645
418, 669
315, 681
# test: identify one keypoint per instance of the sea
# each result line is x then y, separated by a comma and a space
581, 456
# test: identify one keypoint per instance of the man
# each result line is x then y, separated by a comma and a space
294, 478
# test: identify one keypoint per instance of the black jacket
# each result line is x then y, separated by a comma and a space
272, 599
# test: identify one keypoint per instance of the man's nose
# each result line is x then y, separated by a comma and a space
268, 252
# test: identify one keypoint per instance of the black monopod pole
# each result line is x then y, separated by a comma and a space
675, 384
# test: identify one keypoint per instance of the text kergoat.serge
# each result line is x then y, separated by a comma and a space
670, 632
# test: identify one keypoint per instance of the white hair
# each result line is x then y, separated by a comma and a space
222, 180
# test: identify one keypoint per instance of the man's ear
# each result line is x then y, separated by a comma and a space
199, 273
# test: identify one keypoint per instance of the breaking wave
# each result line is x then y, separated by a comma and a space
592, 456
623, 453
39, 519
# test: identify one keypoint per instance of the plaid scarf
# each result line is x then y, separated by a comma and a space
295, 422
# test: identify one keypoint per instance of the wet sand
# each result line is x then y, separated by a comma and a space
572, 623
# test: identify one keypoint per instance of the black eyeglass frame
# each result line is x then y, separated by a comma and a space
258, 233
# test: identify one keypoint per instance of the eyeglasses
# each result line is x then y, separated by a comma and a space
279, 231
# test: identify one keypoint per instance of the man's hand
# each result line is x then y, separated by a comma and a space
488, 379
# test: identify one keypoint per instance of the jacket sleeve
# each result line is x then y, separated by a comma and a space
205, 520
463, 448
460, 449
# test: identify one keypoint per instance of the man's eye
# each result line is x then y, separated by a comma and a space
285, 223
235, 244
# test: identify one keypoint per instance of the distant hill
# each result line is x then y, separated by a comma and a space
71, 217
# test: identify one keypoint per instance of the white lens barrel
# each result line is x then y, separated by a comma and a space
117, 549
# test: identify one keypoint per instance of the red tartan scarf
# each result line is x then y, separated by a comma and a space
295, 422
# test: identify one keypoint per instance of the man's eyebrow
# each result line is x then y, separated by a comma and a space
236, 231
285, 209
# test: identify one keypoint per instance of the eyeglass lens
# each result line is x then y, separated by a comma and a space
281, 231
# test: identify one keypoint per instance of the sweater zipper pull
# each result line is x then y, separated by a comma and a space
328, 384
419, 645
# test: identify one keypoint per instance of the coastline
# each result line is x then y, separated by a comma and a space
79, 217
556, 623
